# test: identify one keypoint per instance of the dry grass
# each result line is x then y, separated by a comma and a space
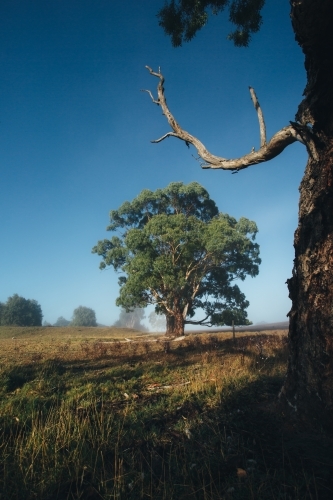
21, 344
86, 415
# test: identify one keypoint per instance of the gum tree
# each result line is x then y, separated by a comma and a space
177, 252
308, 389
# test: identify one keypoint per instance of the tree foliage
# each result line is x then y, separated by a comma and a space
84, 316
21, 312
178, 252
182, 19
2, 307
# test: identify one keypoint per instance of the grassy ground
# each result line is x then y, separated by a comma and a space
84, 414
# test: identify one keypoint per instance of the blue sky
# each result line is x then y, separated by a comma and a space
75, 135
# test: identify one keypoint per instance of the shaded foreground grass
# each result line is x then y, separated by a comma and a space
83, 417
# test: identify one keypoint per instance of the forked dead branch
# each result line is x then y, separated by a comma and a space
268, 150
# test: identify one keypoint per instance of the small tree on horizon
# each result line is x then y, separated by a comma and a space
157, 321
61, 321
84, 316
180, 254
131, 319
18, 311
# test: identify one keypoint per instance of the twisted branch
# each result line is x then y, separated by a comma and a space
266, 152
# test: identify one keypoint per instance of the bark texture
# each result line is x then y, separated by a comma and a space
308, 389
170, 324
175, 323
179, 323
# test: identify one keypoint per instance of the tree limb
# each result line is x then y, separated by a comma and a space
151, 96
262, 126
199, 322
266, 152
168, 134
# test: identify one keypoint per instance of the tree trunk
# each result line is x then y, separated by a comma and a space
179, 323
170, 324
175, 323
308, 389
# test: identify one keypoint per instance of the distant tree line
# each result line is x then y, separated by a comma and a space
82, 316
18, 311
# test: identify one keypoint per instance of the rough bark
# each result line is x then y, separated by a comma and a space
308, 389
175, 323
170, 324
179, 323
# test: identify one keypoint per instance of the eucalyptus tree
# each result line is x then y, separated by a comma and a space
177, 252
308, 388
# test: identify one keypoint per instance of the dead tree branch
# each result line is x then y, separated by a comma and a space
262, 126
266, 152
151, 96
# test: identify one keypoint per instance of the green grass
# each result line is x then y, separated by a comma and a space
85, 415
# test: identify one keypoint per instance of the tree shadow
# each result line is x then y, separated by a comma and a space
239, 447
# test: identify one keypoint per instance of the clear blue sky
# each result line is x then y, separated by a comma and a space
75, 135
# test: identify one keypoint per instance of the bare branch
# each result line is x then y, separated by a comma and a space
199, 322
306, 137
262, 125
151, 95
168, 134
266, 152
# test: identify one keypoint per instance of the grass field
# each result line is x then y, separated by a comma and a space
102, 413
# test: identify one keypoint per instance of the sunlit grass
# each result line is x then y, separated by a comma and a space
85, 416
